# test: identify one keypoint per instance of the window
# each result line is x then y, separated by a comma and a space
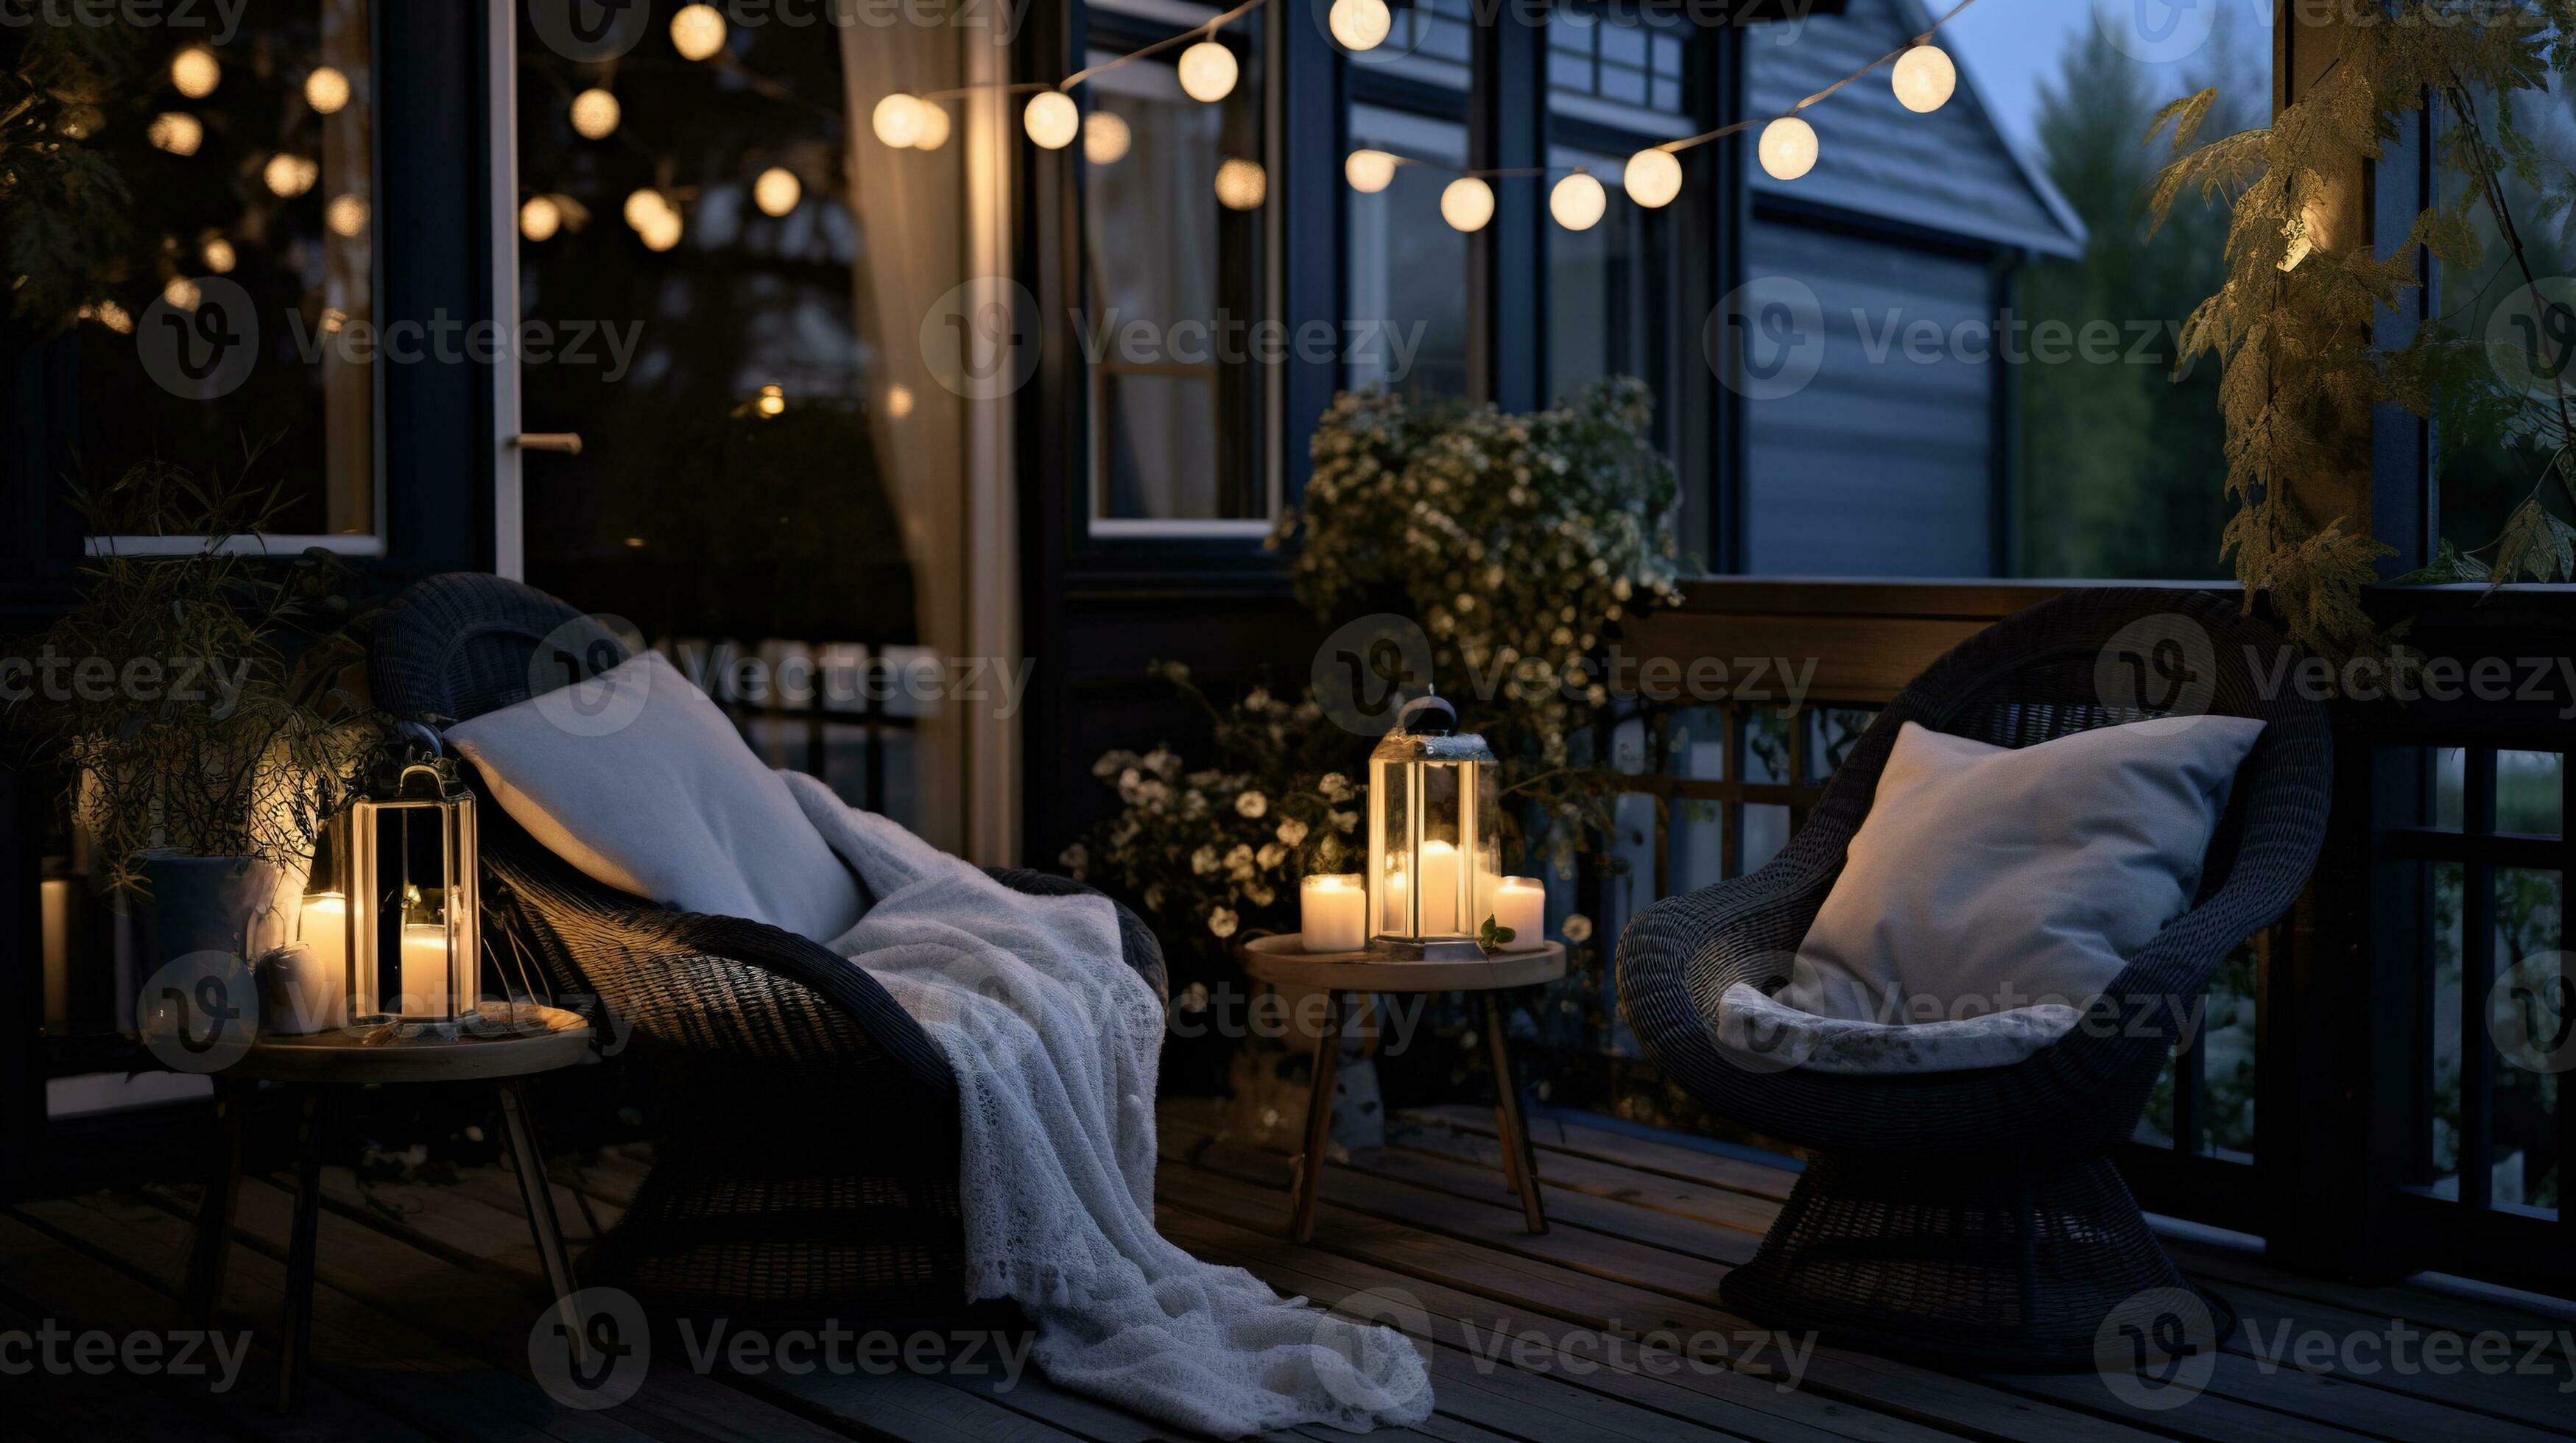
246, 319
1176, 210
1406, 272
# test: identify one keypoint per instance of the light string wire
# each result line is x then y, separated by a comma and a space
1204, 30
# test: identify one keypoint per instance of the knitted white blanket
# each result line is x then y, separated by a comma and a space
1055, 1042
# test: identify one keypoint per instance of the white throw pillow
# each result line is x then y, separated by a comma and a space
1987, 878
638, 780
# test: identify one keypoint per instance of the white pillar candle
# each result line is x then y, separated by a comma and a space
323, 928
1439, 862
61, 897
1520, 903
424, 971
1333, 914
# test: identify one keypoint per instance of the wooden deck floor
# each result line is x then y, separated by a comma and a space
421, 1325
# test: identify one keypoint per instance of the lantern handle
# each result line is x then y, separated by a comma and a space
1427, 715
424, 735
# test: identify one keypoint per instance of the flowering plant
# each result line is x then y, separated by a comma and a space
1514, 540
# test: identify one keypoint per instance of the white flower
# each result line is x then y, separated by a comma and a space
1162, 763
1345, 821
1292, 831
1258, 699
1076, 859
1261, 896
1271, 854
1194, 998
1335, 787
1222, 921
1154, 898
1203, 861
1577, 928
1252, 804
1112, 763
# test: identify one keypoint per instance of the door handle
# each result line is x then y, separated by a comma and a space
566, 442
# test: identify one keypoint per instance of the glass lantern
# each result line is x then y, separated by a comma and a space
1435, 837
401, 868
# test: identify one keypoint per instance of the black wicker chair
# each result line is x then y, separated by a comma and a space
809, 1161
1975, 1217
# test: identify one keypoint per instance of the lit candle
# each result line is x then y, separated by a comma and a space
323, 928
1520, 903
61, 900
424, 971
1439, 862
1334, 916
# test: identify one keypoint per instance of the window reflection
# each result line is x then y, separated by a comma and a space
1407, 271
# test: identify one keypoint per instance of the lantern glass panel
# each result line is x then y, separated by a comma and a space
1434, 838
414, 907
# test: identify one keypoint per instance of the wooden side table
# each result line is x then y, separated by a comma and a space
505, 1053
1357, 977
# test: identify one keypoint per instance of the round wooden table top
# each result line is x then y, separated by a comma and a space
1283, 961
514, 1042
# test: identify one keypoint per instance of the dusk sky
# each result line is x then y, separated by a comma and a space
2010, 46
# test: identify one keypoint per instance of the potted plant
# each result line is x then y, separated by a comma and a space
191, 698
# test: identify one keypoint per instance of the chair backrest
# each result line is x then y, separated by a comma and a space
455, 646
2106, 656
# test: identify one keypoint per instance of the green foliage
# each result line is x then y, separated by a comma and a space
64, 207
1494, 937
2291, 321
194, 698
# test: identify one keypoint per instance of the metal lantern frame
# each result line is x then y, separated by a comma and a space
391, 854
1409, 815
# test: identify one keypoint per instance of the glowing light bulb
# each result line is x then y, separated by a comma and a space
1241, 184
898, 400
1360, 24
1208, 71
773, 400
646, 206
110, 315
662, 231
290, 175
897, 120
1924, 79
194, 72
1467, 204
934, 127
1052, 119
1369, 171
182, 293
540, 218
177, 132
1105, 137
346, 215
326, 90
698, 31
218, 255
1653, 177
1577, 202
777, 191
595, 114
1788, 148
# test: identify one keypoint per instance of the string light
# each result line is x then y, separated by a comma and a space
595, 114
1577, 202
1924, 79
289, 176
1242, 184
1105, 137
898, 400
540, 218
1208, 72
218, 255
1788, 148
176, 131
182, 293
1360, 24
346, 215
777, 191
663, 231
1369, 171
643, 207
1653, 177
773, 400
326, 90
110, 315
194, 72
1467, 204
934, 127
1052, 119
698, 31
898, 120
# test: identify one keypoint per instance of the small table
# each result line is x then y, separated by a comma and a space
1348, 976
505, 1051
